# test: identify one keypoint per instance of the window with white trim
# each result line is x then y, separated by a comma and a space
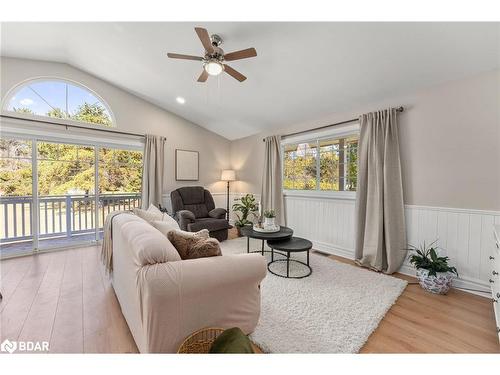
322, 164
59, 99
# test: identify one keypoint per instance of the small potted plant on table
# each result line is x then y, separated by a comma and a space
269, 219
245, 206
433, 272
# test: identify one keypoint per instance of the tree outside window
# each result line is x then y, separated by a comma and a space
326, 164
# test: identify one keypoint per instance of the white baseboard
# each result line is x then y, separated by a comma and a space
333, 250
473, 286
469, 285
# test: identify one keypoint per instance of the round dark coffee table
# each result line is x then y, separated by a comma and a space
283, 233
290, 245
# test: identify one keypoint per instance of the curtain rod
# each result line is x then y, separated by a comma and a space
399, 109
72, 126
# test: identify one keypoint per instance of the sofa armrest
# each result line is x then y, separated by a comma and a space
185, 217
217, 213
184, 296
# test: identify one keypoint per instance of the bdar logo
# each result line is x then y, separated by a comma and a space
8, 346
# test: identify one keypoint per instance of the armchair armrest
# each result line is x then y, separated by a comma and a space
183, 296
185, 217
217, 213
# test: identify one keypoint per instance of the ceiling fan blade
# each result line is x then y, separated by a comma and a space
203, 76
205, 39
233, 73
238, 55
184, 57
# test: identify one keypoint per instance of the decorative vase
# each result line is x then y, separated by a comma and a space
269, 222
439, 284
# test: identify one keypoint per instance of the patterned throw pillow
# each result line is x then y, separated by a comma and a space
191, 245
203, 248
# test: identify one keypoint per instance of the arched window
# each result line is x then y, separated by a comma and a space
60, 99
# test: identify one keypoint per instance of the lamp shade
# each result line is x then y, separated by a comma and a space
228, 175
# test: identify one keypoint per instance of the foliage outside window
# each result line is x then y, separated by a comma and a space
321, 164
15, 167
67, 169
59, 99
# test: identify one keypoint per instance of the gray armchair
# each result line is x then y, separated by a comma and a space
194, 210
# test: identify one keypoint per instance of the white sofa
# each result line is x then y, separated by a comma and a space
164, 299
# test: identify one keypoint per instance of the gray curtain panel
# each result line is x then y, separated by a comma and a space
152, 170
380, 222
271, 196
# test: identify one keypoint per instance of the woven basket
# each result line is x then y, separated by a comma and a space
200, 341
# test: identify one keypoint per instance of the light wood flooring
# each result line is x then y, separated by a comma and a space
65, 298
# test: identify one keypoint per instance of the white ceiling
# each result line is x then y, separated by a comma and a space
303, 71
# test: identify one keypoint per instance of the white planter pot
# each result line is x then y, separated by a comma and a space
439, 284
269, 222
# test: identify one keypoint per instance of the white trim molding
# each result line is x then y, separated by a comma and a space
320, 194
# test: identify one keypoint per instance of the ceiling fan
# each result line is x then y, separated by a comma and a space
214, 58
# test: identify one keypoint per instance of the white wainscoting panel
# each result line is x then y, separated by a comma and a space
466, 236
328, 223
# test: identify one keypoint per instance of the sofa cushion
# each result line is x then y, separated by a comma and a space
152, 208
165, 226
194, 245
192, 195
147, 245
151, 214
208, 223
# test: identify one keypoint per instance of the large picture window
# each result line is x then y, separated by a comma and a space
327, 164
59, 99
68, 206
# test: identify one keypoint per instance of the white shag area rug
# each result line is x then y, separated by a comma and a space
334, 310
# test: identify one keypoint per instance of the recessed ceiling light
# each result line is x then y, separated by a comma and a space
180, 100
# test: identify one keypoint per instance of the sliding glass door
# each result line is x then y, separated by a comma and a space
16, 203
66, 194
57, 194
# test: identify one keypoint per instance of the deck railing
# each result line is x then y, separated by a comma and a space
59, 215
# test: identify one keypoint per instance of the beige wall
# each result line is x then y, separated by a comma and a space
450, 144
135, 115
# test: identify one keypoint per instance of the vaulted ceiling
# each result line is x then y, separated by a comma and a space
303, 71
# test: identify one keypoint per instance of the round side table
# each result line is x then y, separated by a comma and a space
290, 245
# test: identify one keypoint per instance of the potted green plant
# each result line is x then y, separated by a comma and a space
244, 207
269, 219
433, 272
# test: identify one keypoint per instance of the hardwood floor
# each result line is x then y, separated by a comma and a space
65, 298
421, 322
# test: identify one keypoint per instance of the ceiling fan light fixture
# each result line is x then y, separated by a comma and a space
213, 67
214, 58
